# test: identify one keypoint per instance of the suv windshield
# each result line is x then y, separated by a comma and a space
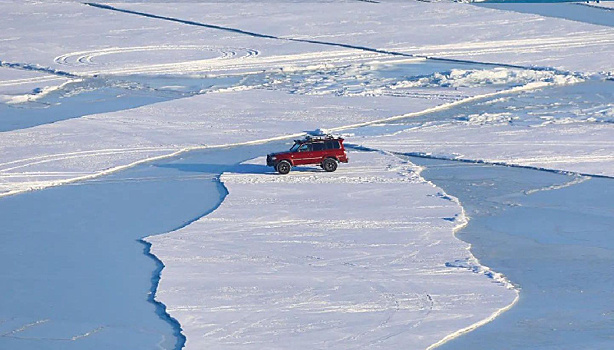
295, 147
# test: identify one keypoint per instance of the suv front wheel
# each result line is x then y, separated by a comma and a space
329, 164
283, 167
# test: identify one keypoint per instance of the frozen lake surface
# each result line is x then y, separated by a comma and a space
82, 96
574, 11
549, 234
107, 90
88, 279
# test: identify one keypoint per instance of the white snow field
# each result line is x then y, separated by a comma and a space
94, 145
331, 39
136, 44
444, 30
586, 148
608, 5
363, 257
91, 146
18, 85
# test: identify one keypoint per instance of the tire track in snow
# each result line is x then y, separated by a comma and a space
177, 152
242, 63
311, 41
514, 46
72, 155
115, 169
43, 79
87, 57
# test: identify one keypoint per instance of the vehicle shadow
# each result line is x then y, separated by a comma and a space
233, 168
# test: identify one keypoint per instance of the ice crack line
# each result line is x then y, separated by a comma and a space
480, 161
36, 68
177, 152
311, 41
245, 32
14, 333
595, 7
160, 307
24, 327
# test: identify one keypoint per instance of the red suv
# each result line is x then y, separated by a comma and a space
326, 151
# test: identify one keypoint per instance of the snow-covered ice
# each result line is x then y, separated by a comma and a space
443, 30
90, 146
330, 36
22, 85
88, 90
599, 12
586, 148
364, 256
601, 4
551, 235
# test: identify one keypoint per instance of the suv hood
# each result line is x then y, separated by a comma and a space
277, 153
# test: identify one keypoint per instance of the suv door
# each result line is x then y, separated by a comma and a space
318, 153
303, 154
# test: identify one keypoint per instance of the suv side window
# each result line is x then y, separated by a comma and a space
318, 146
304, 148
333, 144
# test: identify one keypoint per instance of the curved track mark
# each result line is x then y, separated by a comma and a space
310, 41
88, 57
175, 153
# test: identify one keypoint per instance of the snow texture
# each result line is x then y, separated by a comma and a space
94, 145
443, 30
233, 39
14, 84
585, 148
607, 5
304, 261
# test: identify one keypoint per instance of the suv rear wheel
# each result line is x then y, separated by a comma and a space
283, 167
329, 164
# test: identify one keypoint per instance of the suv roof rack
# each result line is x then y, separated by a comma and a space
309, 138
